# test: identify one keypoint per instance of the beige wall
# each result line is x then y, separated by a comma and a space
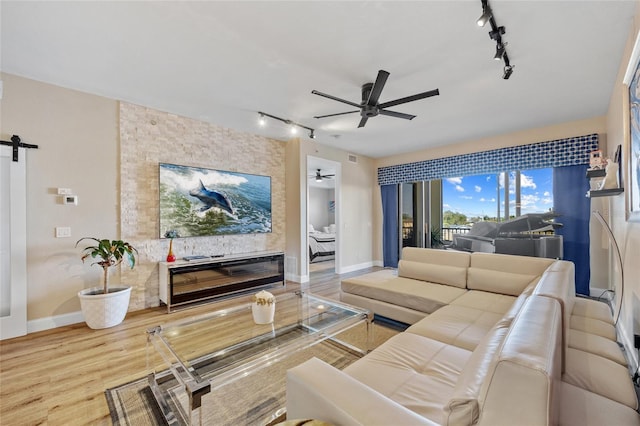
77, 135
627, 233
79, 138
354, 201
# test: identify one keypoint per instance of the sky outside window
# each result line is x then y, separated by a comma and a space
477, 196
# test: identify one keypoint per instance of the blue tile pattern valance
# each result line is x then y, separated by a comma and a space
558, 153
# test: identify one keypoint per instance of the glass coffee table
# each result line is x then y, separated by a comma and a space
202, 366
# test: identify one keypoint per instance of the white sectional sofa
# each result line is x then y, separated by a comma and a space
494, 340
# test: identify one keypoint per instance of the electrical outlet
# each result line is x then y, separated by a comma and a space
636, 341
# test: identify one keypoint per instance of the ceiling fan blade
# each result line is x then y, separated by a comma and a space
315, 92
396, 114
412, 98
381, 80
363, 122
333, 115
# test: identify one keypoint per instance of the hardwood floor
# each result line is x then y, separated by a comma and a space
58, 377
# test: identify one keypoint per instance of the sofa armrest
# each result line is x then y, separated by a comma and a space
317, 390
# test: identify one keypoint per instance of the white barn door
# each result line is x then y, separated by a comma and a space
13, 245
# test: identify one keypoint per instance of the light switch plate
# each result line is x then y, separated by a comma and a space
63, 232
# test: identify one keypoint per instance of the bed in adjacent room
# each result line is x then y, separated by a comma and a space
322, 246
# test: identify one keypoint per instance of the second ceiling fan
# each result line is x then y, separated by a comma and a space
370, 107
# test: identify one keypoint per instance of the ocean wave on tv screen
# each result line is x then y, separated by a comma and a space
201, 202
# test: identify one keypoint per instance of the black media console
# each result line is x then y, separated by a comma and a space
189, 281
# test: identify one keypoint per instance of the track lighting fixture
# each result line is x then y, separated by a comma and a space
486, 15
499, 52
508, 70
293, 126
496, 34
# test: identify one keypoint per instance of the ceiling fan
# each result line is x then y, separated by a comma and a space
319, 176
370, 107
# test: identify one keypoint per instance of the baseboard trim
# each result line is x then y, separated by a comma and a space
47, 323
297, 278
357, 267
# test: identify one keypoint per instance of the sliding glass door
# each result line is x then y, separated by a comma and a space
420, 208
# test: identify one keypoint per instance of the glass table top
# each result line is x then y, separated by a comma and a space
208, 351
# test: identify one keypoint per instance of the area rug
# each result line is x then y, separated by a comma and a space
255, 402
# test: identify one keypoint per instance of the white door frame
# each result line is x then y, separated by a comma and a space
14, 322
305, 215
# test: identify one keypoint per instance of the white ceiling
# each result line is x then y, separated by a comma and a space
223, 61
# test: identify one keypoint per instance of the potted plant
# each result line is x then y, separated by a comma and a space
104, 307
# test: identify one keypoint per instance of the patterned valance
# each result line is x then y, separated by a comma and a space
557, 153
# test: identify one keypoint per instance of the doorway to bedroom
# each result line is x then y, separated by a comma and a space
322, 231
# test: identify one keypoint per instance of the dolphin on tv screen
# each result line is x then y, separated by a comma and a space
212, 198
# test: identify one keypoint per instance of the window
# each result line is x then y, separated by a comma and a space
494, 197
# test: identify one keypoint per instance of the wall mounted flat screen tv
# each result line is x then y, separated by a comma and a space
197, 202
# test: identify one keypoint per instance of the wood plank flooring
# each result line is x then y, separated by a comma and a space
58, 377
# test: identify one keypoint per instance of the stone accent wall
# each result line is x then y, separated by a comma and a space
149, 137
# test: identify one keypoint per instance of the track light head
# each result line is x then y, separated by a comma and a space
484, 18
312, 135
499, 51
508, 70
293, 129
262, 121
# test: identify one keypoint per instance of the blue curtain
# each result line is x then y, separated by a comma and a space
570, 185
389, 194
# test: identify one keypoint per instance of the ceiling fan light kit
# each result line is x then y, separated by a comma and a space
370, 106
496, 34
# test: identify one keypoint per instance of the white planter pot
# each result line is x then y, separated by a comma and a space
263, 314
104, 310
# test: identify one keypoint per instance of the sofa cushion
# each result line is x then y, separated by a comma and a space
419, 295
382, 308
526, 265
592, 309
600, 375
382, 276
486, 301
431, 272
593, 326
498, 282
416, 372
318, 390
438, 257
583, 408
456, 325
596, 345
